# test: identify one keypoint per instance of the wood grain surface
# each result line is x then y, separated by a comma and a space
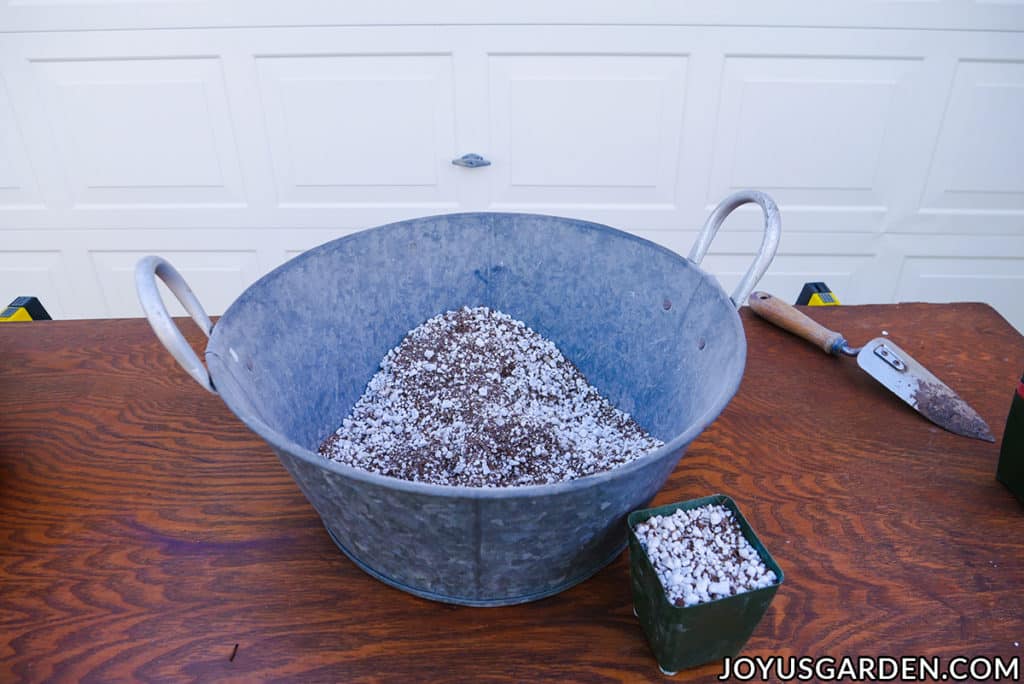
146, 532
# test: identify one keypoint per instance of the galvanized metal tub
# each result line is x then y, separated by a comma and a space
655, 333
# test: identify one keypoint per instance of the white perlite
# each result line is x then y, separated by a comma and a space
475, 398
701, 555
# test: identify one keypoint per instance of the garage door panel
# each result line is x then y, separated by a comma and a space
978, 163
148, 131
819, 133
216, 276
578, 130
358, 129
17, 184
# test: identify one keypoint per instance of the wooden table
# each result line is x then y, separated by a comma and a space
146, 532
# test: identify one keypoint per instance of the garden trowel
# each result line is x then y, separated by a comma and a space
885, 362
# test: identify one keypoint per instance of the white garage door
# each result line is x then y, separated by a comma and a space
231, 136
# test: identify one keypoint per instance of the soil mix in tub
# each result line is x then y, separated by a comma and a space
476, 398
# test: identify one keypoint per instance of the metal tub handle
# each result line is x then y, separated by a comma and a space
769, 243
146, 272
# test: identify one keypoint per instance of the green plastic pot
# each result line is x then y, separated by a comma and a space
1010, 470
682, 637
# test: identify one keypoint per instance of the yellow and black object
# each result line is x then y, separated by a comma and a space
24, 309
817, 294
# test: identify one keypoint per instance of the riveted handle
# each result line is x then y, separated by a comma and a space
778, 312
146, 272
769, 243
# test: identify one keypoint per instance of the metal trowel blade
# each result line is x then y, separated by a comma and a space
914, 384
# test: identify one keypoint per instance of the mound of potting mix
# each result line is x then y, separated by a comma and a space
475, 398
701, 555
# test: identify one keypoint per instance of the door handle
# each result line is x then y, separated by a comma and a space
471, 161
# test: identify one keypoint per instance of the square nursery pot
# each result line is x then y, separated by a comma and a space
1010, 470
687, 636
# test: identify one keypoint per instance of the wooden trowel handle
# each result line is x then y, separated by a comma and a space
776, 311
